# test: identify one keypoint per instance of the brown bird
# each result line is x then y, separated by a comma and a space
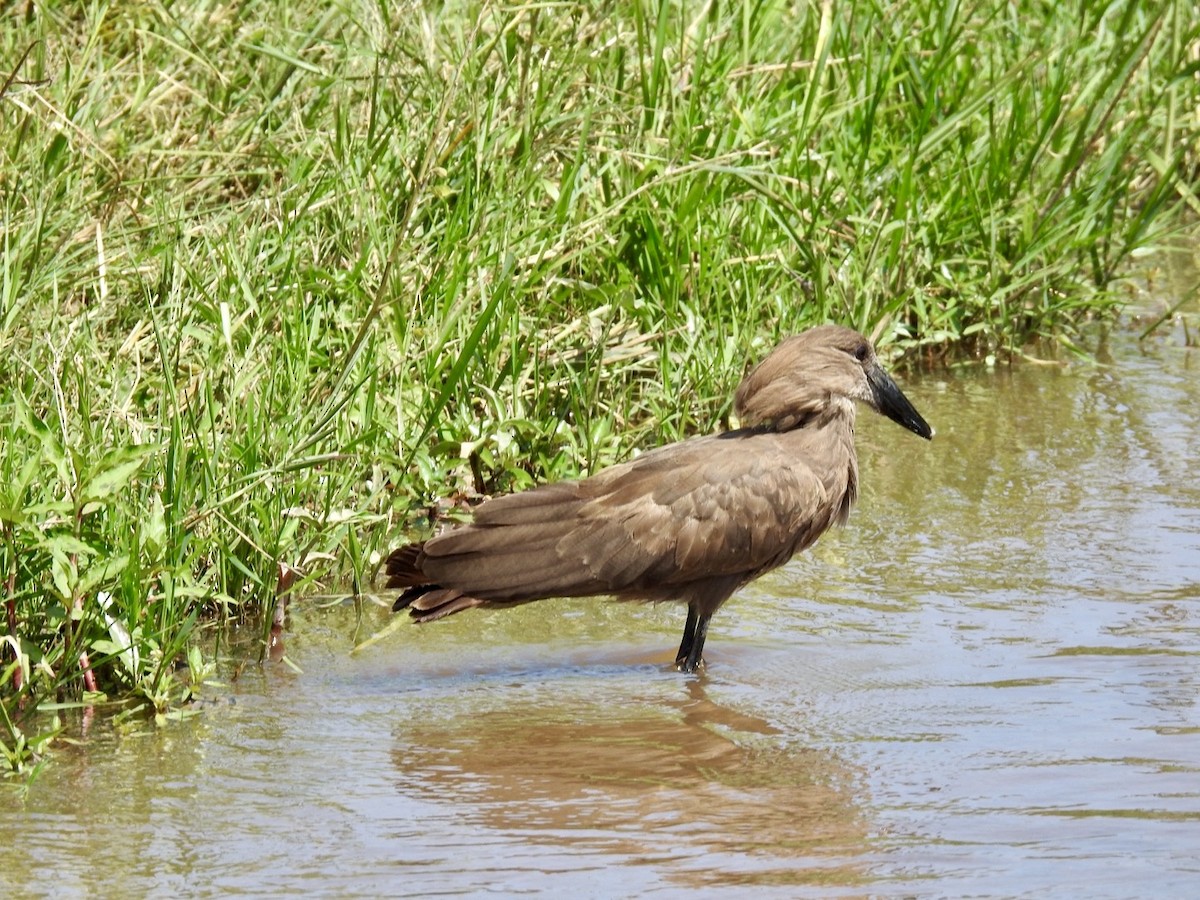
690, 522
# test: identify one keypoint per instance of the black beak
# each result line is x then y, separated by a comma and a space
890, 401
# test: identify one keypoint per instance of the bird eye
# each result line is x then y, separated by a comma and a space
861, 352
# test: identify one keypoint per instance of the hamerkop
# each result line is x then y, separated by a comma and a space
690, 522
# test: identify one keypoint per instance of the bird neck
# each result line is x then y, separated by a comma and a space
825, 442
836, 414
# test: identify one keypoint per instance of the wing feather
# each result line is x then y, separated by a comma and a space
707, 510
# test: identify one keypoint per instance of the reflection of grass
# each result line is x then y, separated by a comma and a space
1154, 815
1123, 651
274, 276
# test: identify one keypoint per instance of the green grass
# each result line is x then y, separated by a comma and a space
276, 277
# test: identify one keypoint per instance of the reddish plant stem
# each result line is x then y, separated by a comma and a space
10, 604
89, 677
85, 664
283, 588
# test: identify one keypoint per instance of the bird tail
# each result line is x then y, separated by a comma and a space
424, 600
403, 567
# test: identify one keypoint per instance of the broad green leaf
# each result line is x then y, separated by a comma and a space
115, 470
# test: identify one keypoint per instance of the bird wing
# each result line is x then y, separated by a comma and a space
709, 508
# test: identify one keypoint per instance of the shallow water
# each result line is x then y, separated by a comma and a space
985, 685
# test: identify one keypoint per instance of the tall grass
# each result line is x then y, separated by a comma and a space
276, 277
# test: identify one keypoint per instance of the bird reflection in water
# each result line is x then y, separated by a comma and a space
706, 793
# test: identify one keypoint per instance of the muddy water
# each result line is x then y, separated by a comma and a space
985, 685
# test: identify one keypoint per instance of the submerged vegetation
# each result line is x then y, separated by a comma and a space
277, 276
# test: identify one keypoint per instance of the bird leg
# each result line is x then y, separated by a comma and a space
693, 657
695, 630
689, 635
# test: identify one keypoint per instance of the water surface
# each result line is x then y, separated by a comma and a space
985, 685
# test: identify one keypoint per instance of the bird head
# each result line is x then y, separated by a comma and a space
817, 374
